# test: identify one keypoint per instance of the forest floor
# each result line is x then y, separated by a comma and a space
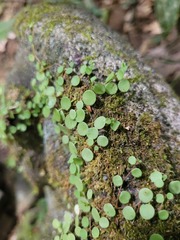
134, 18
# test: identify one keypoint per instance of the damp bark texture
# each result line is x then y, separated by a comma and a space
149, 114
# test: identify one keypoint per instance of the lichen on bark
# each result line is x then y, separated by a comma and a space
149, 129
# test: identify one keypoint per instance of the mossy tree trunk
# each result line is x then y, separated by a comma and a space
148, 113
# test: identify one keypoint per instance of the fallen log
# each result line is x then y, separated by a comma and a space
110, 126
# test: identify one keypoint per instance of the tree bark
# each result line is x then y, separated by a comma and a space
149, 114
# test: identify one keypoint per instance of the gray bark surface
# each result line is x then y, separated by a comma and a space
63, 34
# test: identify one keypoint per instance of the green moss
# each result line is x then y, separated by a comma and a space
32, 17
138, 136
112, 50
55, 161
41, 12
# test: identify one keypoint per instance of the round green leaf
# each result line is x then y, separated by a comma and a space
89, 194
43, 86
79, 104
109, 210
95, 232
75, 81
46, 111
26, 114
92, 79
147, 211
49, 91
70, 236
136, 172
155, 176
40, 76
124, 197
77, 194
72, 148
132, 160
117, 180
21, 127
163, 214
100, 122
95, 214
159, 183
156, 236
51, 101
56, 115
164, 177
159, 198
72, 157
75, 180
56, 237
102, 141
129, 213
65, 103
87, 154
120, 73
84, 204
33, 82
92, 133
83, 69
78, 161
60, 69
82, 128
145, 195
71, 64
72, 168
111, 88
96, 148
72, 114
70, 123
110, 77
99, 88
56, 223
83, 234
77, 231
174, 187
114, 124
69, 70
124, 85
90, 142
85, 222
170, 196
12, 129
89, 70
89, 97
59, 91
57, 129
103, 222
65, 139
80, 115
60, 81
109, 121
